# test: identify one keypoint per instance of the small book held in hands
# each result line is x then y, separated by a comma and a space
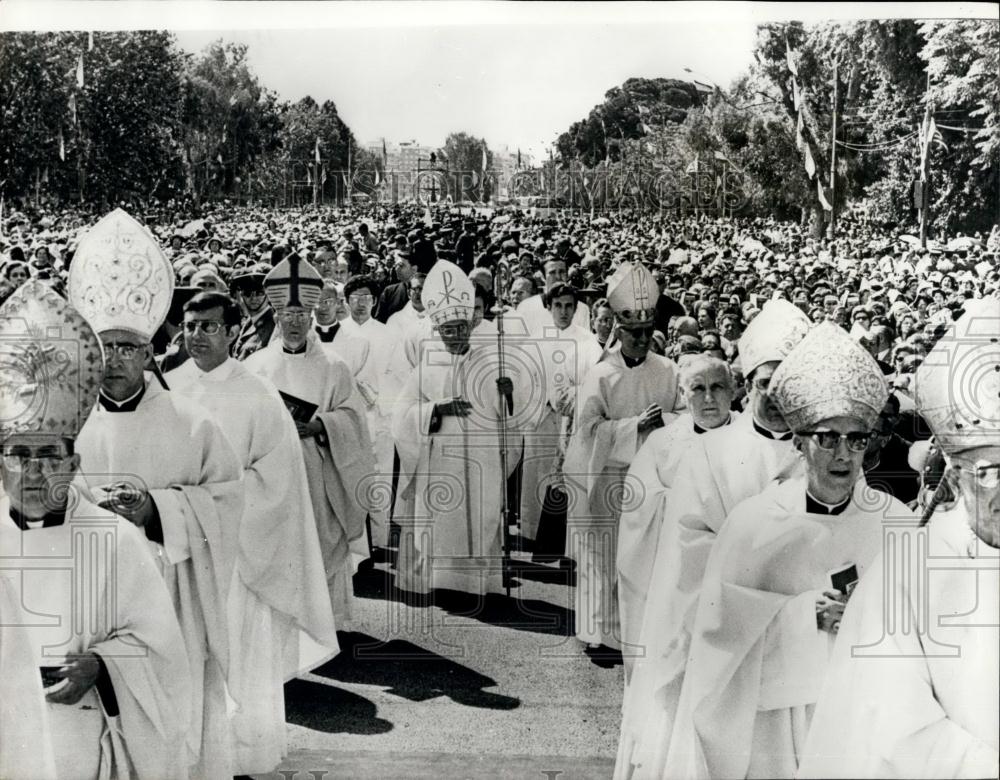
301, 411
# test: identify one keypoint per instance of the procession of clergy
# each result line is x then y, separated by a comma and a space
177, 545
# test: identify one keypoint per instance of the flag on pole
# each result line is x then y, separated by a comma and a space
1, 216
810, 163
796, 95
322, 179
485, 162
822, 195
646, 128
790, 60
72, 108
519, 158
800, 141
377, 179
692, 166
309, 178
79, 71
643, 110
721, 156
317, 150
218, 158
385, 155
62, 146
90, 41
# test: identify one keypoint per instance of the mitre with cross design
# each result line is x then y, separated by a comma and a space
632, 294
772, 334
293, 282
957, 387
120, 278
448, 293
51, 364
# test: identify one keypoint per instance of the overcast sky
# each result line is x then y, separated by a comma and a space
515, 73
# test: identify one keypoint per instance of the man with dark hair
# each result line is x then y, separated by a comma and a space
277, 590
395, 296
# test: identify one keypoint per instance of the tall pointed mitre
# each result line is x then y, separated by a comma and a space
448, 293
957, 387
828, 374
772, 334
51, 364
293, 282
632, 294
120, 279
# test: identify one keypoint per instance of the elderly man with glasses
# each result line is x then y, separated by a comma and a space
161, 461
913, 688
110, 651
256, 331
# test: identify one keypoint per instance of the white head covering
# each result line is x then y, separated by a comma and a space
828, 374
448, 293
293, 282
958, 384
632, 294
772, 334
51, 363
120, 279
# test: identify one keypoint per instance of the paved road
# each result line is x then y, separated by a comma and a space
461, 689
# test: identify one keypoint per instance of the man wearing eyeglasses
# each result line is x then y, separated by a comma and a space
783, 567
109, 652
628, 394
411, 325
159, 460
278, 590
913, 689
319, 392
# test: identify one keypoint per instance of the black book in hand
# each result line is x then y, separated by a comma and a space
301, 411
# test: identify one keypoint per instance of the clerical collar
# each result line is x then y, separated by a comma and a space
48, 520
816, 507
633, 362
299, 351
327, 333
699, 430
130, 404
769, 434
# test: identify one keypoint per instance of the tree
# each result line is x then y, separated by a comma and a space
467, 179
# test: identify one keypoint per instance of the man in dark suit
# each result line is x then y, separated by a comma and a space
395, 296
258, 327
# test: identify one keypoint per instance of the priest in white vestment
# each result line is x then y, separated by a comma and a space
920, 697
707, 386
26, 751
627, 395
84, 607
279, 584
158, 459
389, 373
780, 573
566, 352
447, 432
533, 310
319, 391
720, 469
411, 326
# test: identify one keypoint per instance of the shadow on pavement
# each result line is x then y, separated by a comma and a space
410, 671
538, 617
331, 710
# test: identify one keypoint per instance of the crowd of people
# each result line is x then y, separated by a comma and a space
743, 442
